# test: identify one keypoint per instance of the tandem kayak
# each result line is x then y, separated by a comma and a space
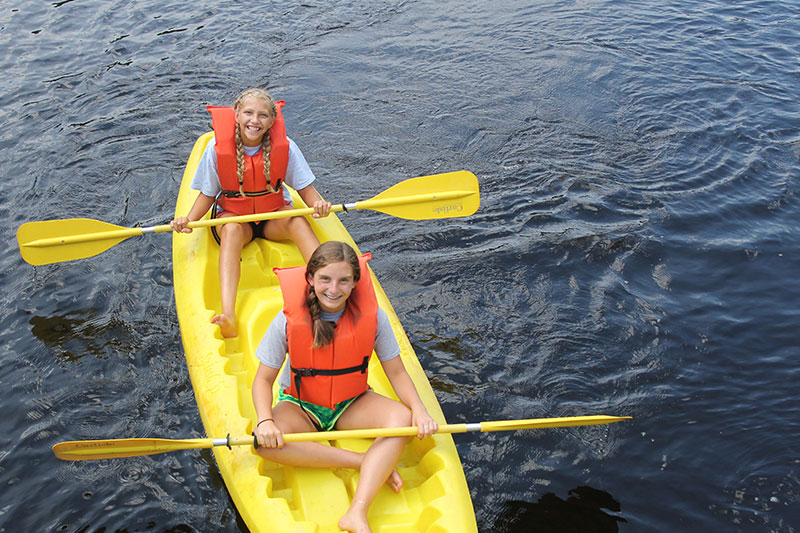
271, 497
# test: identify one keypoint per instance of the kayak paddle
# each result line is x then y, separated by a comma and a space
449, 195
116, 448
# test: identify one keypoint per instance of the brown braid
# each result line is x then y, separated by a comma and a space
325, 254
266, 146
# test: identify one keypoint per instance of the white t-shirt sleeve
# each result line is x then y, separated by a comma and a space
386, 346
272, 349
206, 179
298, 173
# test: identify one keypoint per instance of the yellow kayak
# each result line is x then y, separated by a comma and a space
271, 497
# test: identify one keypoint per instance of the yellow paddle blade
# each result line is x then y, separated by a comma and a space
448, 195
111, 448
54, 241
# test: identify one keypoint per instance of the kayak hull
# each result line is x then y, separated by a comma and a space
271, 497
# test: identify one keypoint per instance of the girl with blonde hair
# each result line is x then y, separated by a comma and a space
242, 172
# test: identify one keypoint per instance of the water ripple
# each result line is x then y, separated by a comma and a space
632, 253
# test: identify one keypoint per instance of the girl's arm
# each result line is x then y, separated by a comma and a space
312, 199
266, 431
407, 392
201, 205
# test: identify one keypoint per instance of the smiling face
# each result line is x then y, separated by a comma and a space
333, 284
254, 116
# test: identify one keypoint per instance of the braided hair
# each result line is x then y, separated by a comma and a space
326, 254
266, 146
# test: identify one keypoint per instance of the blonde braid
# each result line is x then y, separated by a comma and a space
266, 148
239, 159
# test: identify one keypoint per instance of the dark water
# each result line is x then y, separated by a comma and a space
635, 252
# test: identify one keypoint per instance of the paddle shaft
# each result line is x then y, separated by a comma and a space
410, 431
286, 213
118, 448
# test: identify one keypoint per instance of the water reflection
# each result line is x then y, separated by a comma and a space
72, 337
582, 511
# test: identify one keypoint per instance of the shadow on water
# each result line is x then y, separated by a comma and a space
215, 478
582, 511
73, 337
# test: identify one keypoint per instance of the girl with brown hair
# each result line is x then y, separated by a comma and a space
330, 325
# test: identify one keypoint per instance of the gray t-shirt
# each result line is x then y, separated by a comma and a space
273, 348
206, 179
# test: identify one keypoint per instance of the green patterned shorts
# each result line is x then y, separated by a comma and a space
325, 417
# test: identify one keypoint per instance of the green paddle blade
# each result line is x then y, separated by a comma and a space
54, 241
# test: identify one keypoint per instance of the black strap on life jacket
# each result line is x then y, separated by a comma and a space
254, 194
300, 373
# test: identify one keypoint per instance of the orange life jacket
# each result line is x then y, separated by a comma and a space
252, 194
338, 371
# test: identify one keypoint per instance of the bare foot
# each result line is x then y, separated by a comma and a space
355, 519
394, 481
226, 326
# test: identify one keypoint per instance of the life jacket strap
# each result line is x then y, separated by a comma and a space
254, 194
300, 373
311, 372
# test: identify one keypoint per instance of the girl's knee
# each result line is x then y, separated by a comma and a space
400, 416
231, 230
298, 225
233, 233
